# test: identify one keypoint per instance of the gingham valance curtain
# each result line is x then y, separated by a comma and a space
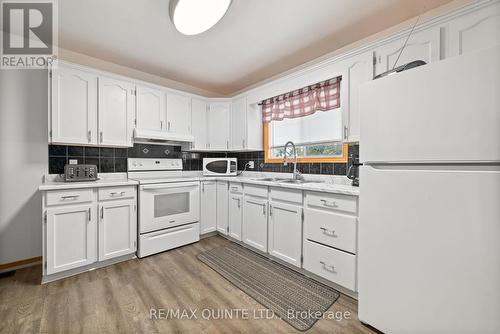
302, 102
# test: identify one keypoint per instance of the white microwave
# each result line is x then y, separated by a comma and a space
220, 166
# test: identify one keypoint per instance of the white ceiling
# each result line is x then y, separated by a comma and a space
254, 41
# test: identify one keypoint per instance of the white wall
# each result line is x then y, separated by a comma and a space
23, 162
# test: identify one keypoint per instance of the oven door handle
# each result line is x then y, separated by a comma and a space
170, 185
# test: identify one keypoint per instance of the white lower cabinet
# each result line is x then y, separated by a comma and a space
71, 237
222, 207
285, 232
81, 230
117, 229
235, 205
208, 219
255, 223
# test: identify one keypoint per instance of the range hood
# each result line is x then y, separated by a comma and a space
162, 136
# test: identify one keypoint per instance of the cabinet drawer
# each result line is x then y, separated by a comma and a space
70, 196
331, 229
332, 202
155, 242
331, 264
235, 188
108, 193
286, 195
259, 191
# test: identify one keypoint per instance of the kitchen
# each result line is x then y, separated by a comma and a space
352, 188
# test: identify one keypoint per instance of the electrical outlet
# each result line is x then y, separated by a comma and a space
73, 161
251, 164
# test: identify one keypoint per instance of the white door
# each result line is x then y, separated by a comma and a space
222, 207
238, 124
208, 221
167, 205
475, 31
254, 232
285, 232
199, 124
150, 108
235, 216
218, 125
178, 113
357, 70
419, 115
430, 232
73, 106
71, 237
116, 112
117, 229
424, 45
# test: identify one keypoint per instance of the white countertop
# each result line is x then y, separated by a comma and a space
112, 180
329, 184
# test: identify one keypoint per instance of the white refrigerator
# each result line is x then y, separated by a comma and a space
429, 225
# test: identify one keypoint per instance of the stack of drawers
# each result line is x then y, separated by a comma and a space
330, 237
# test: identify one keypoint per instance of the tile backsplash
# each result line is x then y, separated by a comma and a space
114, 160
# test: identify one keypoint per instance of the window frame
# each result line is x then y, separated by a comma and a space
268, 157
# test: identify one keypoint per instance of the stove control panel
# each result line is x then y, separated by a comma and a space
137, 164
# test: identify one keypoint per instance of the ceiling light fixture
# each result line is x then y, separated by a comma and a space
192, 17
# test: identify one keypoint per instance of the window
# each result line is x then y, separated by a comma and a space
311, 119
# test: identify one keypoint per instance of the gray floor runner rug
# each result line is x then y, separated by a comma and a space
290, 295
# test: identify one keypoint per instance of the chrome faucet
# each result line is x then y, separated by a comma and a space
296, 174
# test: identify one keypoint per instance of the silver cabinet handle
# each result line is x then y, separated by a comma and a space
161, 125
227, 144
243, 143
345, 132
171, 222
203, 187
327, 231
270, 210
89, 136
100, 134
168, 125
264, 209
102, 212
90, 214
329, 204
70, 196
115, 193
234, 188
326, 266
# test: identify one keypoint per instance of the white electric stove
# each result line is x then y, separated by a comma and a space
169, 204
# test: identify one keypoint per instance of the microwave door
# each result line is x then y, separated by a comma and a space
217, 167
164, 206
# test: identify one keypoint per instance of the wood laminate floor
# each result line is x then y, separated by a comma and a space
119, 298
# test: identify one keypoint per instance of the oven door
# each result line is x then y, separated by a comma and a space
168, 204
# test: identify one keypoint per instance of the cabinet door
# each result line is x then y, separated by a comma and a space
285, 232
208, 207
73, 106
116, 112
218, 126
222, 207
475, 31
178, 113
424, 45
199, 124
357, 70
235, 216
71, 237
117, 229
150, 108
255, 223
238, 124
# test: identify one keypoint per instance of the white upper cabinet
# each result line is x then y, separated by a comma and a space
150, 108
199, 122
74, 106
218, 125
475, 31
238, 124
356, 71
424, 45
178, 114
116, 112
